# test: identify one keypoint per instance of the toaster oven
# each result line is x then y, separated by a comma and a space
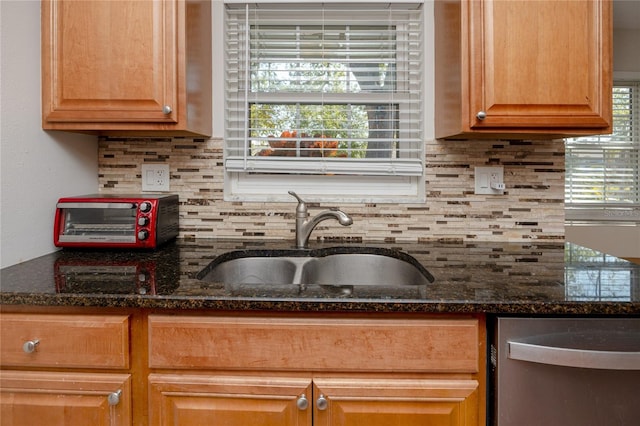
116, 221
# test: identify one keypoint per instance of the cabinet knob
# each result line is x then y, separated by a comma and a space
322, 403
303, 402
114, 397
481, 115
30, 346
166, 110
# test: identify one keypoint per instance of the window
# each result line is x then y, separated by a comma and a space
603, 172
324, 99
594, 276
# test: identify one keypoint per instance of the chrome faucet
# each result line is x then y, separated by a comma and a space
304, 225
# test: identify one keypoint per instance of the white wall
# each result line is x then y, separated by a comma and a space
36, 167
625, 51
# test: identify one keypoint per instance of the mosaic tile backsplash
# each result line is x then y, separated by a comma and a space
532, 207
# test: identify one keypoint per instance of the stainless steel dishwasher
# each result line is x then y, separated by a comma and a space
565, 371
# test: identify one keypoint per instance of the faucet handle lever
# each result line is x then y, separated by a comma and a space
302, 207
300, 200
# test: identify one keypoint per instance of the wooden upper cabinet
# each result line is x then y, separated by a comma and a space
520, 69
127, 67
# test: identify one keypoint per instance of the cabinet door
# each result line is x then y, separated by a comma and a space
185, 400
540, 64
401, 402
109, 61
41, 398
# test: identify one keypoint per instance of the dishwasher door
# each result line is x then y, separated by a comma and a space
566, 372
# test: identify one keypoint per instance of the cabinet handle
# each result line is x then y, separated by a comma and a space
114, 397
322, 403
481, 115
303, 402
166, 110
30, 346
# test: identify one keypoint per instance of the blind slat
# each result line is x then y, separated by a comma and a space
308, 166
605, 169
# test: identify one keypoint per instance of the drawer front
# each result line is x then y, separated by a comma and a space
314, 344
69, 341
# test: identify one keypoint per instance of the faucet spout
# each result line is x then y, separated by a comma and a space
304, 225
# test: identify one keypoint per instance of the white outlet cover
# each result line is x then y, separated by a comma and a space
485, 176
155, 177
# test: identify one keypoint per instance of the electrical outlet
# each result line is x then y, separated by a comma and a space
155, 177
489, 180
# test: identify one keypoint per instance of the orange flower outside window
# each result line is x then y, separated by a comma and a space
285, 146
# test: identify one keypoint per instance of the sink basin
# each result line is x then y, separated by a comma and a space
362, 269
254, 270
336, 266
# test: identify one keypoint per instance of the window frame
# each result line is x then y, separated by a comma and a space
603, 211
348, 182
591, 275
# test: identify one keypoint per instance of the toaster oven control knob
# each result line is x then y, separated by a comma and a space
143, 234
145, 206
143, 221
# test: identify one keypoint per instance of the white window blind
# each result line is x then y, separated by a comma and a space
324, 89
603, 172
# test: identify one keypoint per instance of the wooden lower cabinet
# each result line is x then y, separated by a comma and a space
178, 399
113, 367
185, 399
286, 370
395, 402
65, 341
65, 369
29, 398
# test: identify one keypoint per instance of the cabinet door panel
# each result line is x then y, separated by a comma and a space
182, 400
530, 68
355, 402
78, 399
121, 71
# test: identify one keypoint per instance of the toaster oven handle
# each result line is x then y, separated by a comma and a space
67, 205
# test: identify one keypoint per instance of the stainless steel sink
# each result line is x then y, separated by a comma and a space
254, 270
328, 267
362, 269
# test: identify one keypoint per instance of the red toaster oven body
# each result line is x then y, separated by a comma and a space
116, 221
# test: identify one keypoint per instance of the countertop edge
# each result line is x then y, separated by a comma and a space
324, 305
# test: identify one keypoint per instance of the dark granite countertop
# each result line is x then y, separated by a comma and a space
536, 278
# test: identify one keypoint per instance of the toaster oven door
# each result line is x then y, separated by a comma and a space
106, 222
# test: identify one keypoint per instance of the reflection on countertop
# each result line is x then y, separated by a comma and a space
542, 278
